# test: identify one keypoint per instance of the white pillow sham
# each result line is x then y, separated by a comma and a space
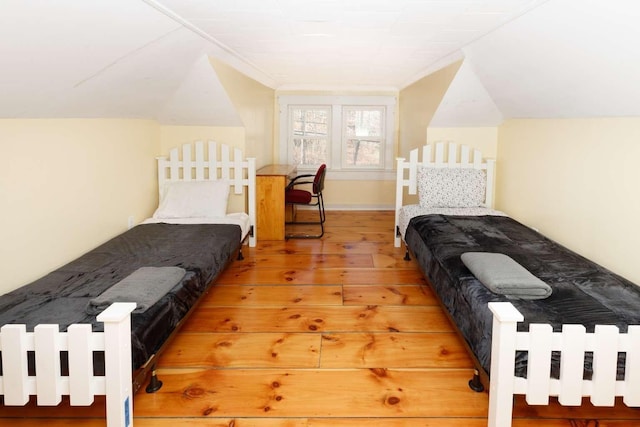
191, 199
451, 187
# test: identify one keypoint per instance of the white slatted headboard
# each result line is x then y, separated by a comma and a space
439, 155
216, 163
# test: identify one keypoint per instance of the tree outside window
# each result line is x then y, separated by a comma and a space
363, 137
310, 134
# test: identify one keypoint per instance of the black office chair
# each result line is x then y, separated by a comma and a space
294, 197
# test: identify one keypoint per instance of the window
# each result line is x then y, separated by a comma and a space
353, 135
363, 137
309, 136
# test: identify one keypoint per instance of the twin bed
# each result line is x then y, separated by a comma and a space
185, 246
578, 341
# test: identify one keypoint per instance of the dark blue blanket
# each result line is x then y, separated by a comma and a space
583, 292
61, 297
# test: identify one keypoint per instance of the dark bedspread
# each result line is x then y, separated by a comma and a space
61, 297
583, 292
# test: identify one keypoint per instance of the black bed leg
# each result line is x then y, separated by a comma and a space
474, 383
240, 256
154, 383
407, 257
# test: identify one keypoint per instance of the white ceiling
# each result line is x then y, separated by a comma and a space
149, 58
328, 43
567, 58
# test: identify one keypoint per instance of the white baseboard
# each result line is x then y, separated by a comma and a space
351, 207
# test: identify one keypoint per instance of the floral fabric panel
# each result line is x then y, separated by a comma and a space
451, 187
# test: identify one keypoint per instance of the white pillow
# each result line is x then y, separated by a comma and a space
190, 199
451, 187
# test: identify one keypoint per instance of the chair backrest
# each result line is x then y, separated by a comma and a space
318, 181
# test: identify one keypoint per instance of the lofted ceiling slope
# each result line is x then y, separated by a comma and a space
566, 58
149, 58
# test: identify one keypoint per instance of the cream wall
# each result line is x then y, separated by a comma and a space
417, 105
255, 104
359, 195
68, 185
176, 136
576, 180
484, 139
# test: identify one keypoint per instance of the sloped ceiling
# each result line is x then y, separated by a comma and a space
148, 58
566, 58
466, 103
200, 100
115, 58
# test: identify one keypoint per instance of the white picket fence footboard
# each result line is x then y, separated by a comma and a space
81, 385
572, 343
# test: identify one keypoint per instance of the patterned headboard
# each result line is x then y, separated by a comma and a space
439, 155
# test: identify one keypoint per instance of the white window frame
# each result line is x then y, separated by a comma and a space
291, 136
382, 138
335, 169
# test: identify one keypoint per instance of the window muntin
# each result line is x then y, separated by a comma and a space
309, 144
363, 137
310, 134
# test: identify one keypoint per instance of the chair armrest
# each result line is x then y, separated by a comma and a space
295, 181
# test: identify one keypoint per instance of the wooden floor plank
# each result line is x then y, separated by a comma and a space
269, 295
313, 393
311, 261
384, 260
64, 410
584, 412
54, 422
388, 295
309, 246
352, 235
248, 274
232, 350
318, 319
210, 421
394, 350
427, 422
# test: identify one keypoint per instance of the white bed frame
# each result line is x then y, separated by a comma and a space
407, 172
239, 172
48, 385
605, 343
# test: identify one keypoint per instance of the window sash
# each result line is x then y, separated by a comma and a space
357, 127
309, 139
334, 154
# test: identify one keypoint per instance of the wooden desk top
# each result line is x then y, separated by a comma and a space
276, 170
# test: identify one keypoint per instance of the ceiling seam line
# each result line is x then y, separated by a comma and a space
182, 21
127, 55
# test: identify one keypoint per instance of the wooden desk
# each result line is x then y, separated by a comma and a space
271, 181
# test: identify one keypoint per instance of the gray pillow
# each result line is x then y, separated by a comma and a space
502, 275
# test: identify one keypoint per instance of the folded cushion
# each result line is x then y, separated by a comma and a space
145, 286
502, 275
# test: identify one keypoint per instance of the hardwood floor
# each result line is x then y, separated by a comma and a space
331, 332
